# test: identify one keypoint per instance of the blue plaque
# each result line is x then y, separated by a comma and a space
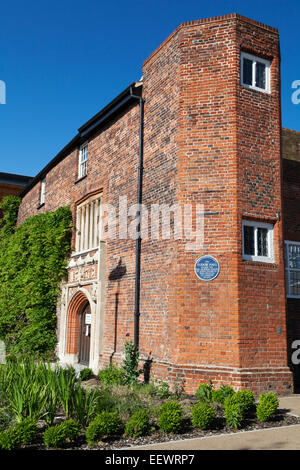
207, 268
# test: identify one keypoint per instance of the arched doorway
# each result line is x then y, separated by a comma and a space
79, 325
84, 339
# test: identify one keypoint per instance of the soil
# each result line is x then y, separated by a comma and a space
281, 418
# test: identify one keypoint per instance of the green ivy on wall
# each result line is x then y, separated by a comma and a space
32, 265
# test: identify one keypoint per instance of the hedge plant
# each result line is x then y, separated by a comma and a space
32, 265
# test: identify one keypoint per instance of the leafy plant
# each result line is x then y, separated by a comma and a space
84, 404
32, 266
267, 406
163, 390
221, 394
233, 414
86, 374
204, 392
138, 425
245, 398
20, 434
130, 363
105, 424
59, 435
111, 375
170, 417
203, 415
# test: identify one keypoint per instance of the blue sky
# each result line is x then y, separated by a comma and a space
62, 61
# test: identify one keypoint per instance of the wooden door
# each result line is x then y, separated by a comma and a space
85, 335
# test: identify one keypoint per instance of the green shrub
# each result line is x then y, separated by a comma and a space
170, 417
233, 414
217, 396
105, 424
204, 392
86, 374
71, 429
222, 393
54, 437
57, 436
20, 434
245, 398
138, 425
203, 415
26, 431
111, 375
131, 363
267, 406
9, 440
163, 390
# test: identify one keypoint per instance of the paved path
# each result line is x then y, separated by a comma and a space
283, 438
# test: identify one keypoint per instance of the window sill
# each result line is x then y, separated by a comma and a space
253, 262
40, 206
261, 90
80, 179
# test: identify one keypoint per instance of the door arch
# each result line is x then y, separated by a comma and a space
78, 307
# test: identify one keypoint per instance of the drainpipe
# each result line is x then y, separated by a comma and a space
138, 229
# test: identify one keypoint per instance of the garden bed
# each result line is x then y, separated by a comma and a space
44, 408
250, 423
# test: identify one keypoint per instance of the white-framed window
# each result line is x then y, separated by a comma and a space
43, 191
255, 72
257, 241
292, 269
82, 161
88, 224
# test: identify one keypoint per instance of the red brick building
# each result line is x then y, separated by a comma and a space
202, 127
12, 185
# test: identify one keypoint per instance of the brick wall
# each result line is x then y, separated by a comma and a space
210, 141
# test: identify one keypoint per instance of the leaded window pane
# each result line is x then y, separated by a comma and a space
260, 79
247, 71
294, 256
294, 283
262, 241
248, 240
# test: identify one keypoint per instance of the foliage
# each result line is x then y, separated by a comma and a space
163, 390
57, 436
204, 392
85, 404
138, 425
20, 434
131, 363
233, 413
105, 424
222, 393
86, 374
10, 207
203, 415
111, 375
170, 417
267, 406
32, 266
245, 398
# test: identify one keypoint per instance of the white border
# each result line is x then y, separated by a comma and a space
207, 256
262, 259
254, 60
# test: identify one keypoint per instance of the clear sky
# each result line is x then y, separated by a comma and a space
62, 61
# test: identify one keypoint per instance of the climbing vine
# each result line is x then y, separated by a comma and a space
32, 265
